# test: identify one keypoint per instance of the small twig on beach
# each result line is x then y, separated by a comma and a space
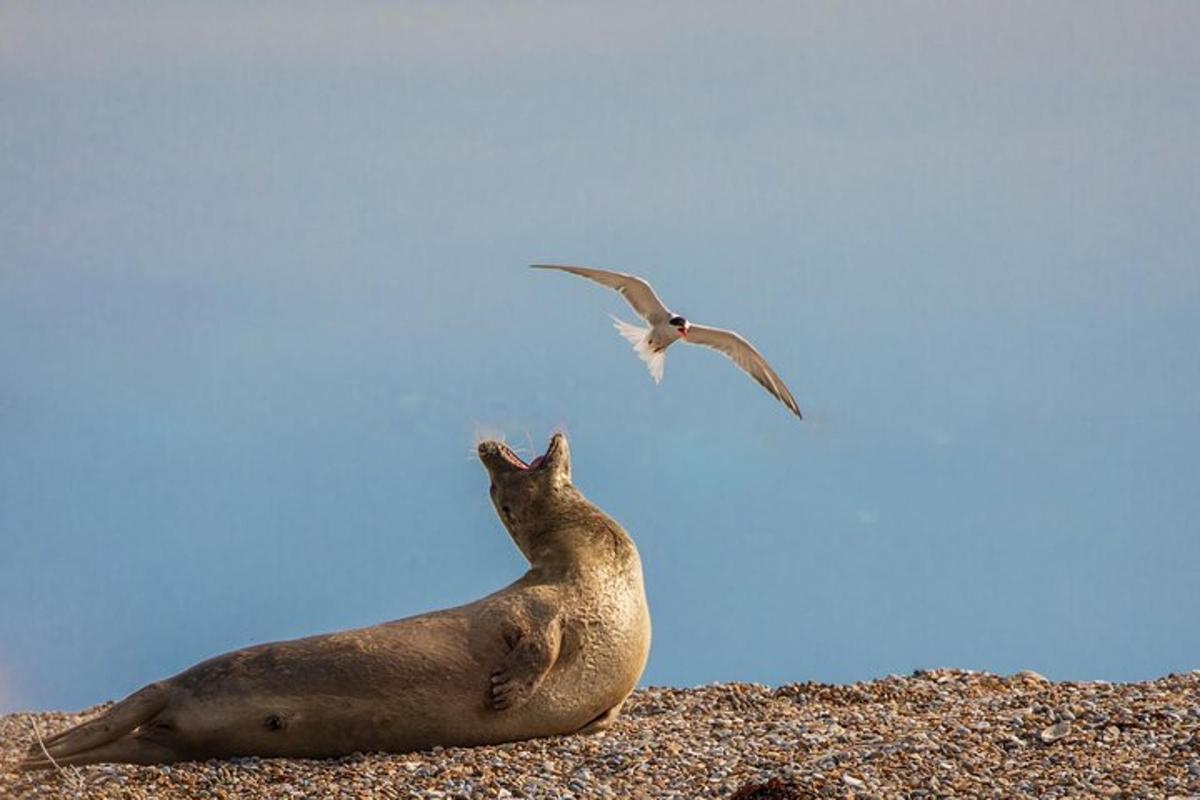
72, 779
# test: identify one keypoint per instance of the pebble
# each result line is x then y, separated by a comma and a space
947, 733
1055, 732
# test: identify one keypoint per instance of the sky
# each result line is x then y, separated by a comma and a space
263, 284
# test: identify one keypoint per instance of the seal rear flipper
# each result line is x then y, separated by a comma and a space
129, 749
138, 708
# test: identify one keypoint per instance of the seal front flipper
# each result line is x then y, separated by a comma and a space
533, 653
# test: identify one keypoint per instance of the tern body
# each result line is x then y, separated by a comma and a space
666, 328
650, 343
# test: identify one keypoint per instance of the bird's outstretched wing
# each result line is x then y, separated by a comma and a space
636, 291
742, 353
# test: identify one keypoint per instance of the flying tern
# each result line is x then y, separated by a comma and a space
666, 328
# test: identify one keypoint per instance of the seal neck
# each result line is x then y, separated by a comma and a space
582, 548
557, 553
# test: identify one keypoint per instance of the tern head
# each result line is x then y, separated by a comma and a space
529, 497
680, 324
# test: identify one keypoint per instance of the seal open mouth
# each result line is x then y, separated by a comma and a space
512, 459
508, 455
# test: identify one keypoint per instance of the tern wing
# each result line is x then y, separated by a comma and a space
636, 291
655, 362
742, 353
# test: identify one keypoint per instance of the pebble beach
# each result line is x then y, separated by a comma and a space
933, 734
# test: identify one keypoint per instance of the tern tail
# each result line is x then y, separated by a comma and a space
655, 361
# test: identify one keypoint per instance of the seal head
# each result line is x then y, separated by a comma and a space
530, 498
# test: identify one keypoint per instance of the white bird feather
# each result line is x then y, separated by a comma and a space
655, 362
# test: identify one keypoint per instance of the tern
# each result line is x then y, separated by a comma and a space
666, 328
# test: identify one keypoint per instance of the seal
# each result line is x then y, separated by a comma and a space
556, 652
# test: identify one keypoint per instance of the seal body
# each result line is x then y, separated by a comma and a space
556, 652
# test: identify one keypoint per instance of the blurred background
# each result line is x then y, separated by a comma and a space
263, 282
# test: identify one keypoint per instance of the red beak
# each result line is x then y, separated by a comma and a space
683, 332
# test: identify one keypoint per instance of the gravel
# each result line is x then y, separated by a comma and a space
938, 733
